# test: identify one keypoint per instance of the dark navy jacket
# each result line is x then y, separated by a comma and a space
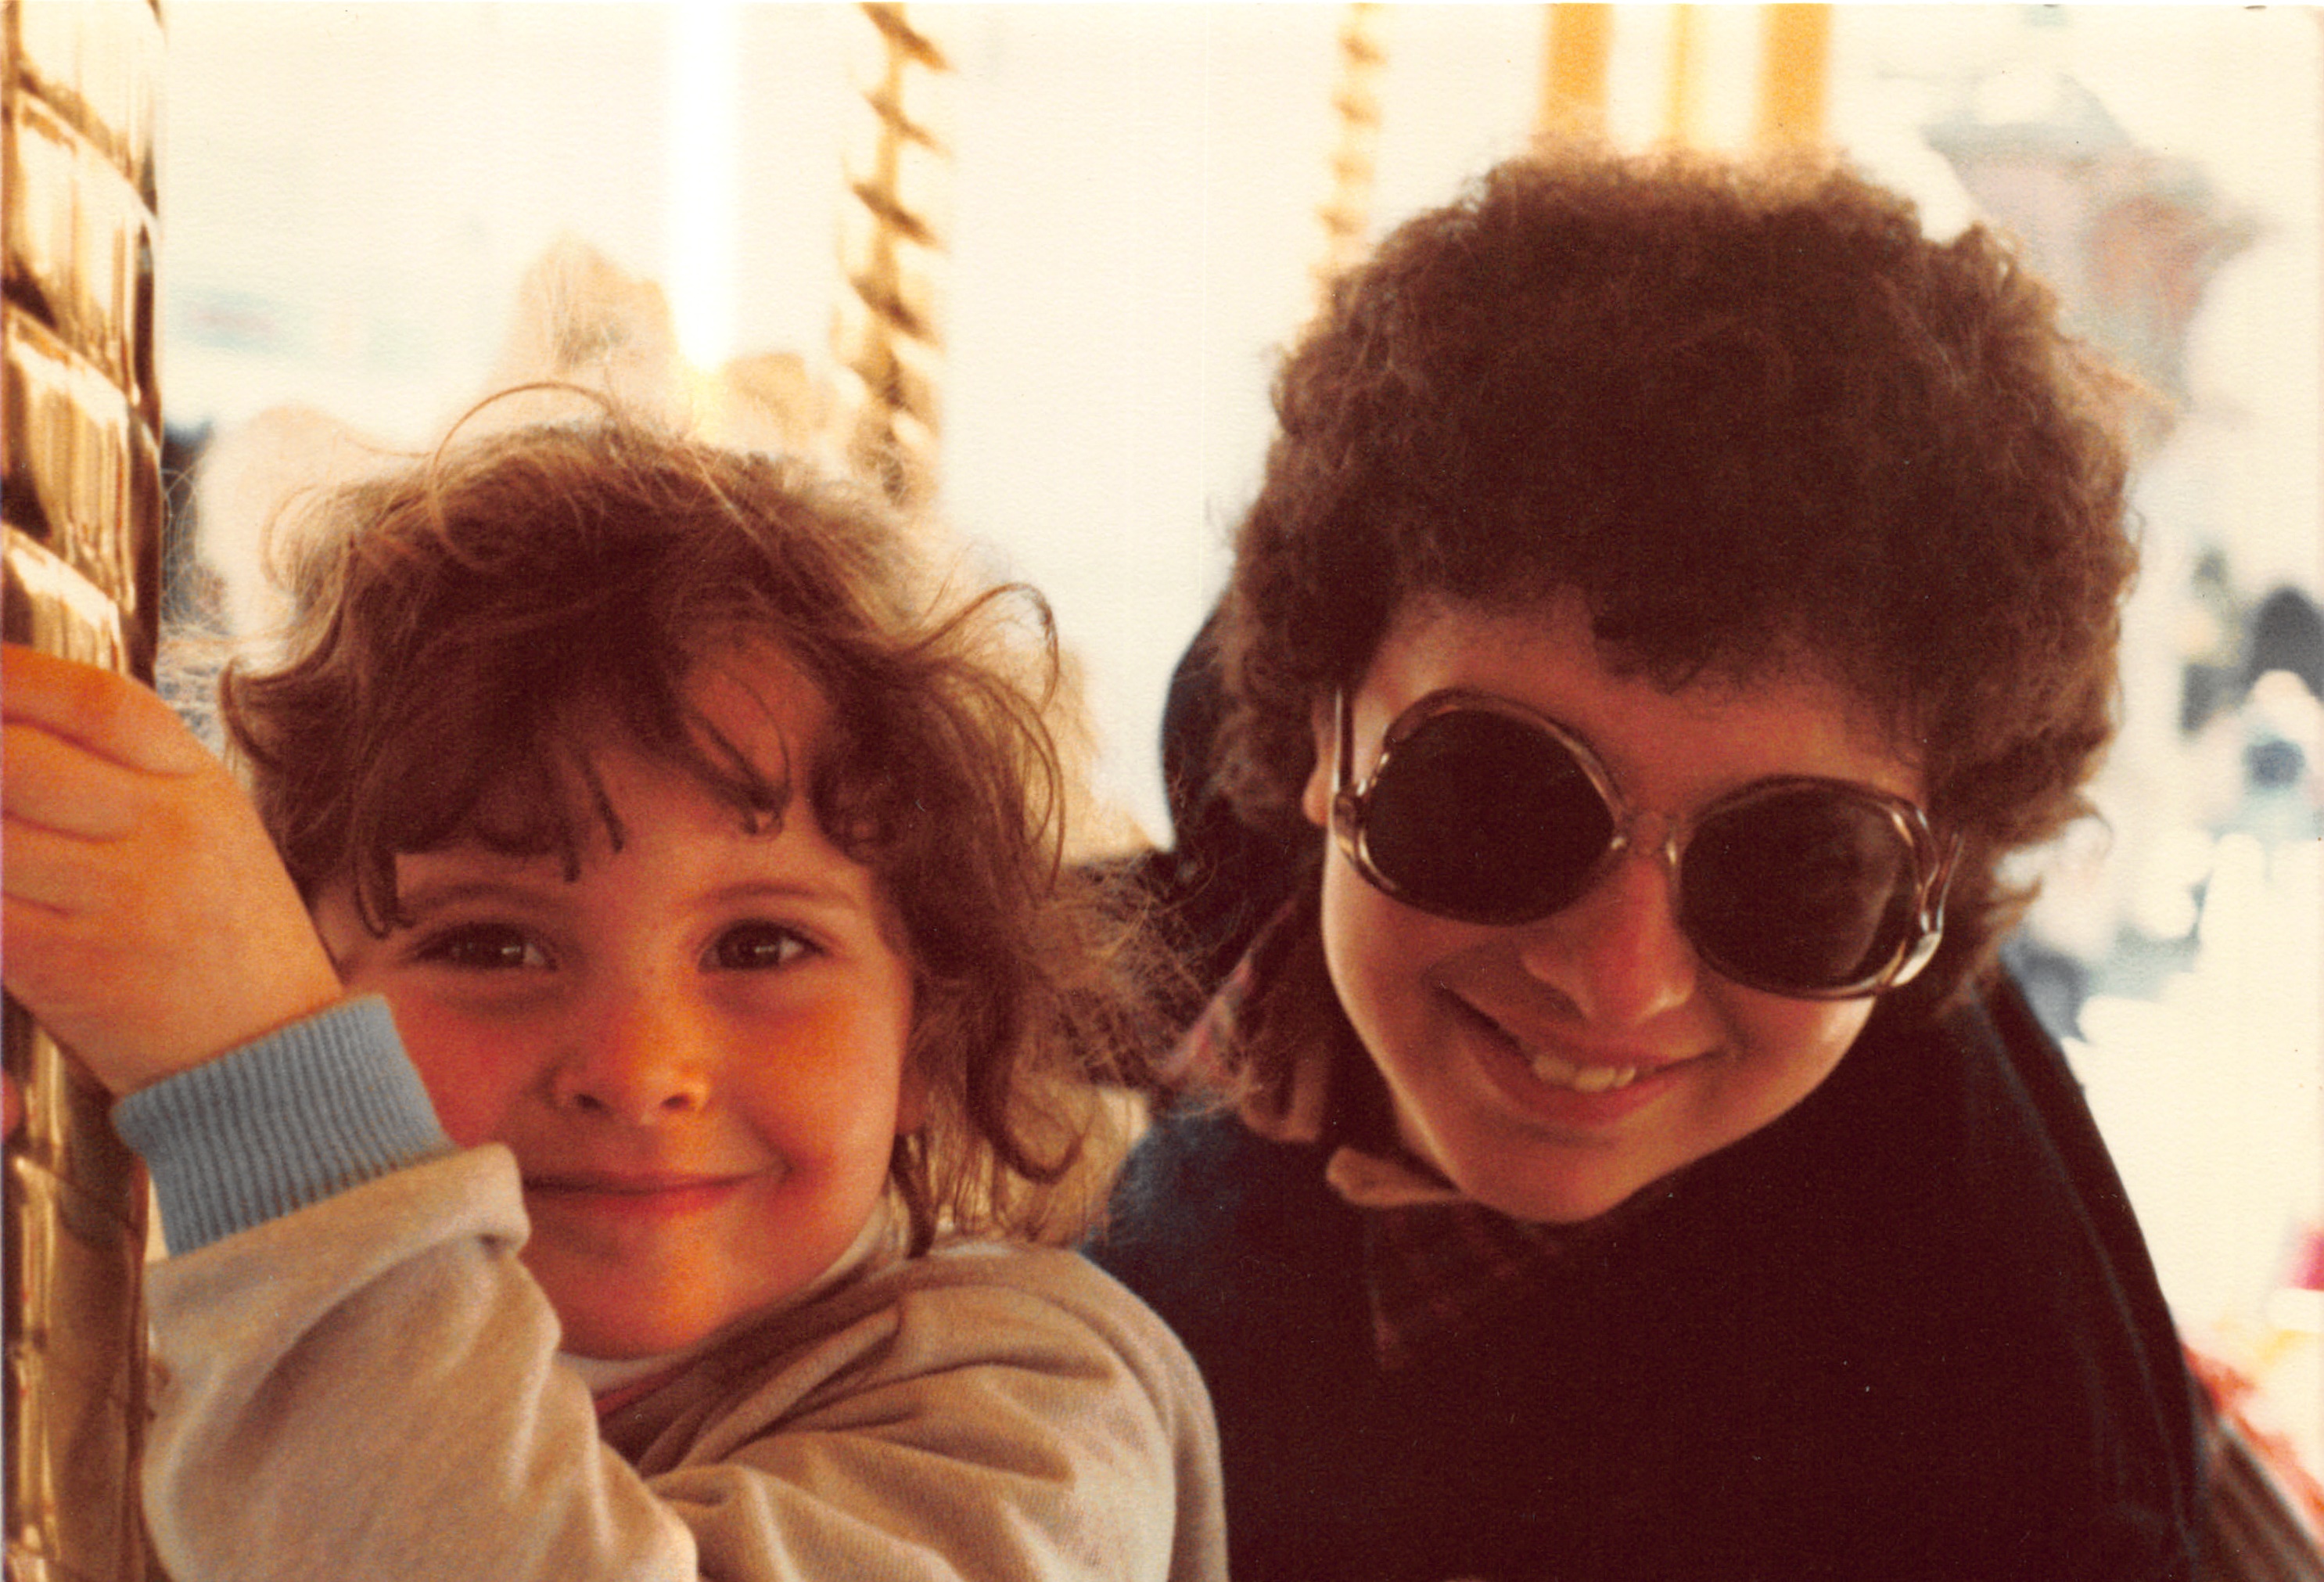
1909, 1330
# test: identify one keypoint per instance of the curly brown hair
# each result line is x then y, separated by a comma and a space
478, 620
1755, 417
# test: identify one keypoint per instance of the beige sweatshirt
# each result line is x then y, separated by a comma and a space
367, 1387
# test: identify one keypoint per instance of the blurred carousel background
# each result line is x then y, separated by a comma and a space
1027, 266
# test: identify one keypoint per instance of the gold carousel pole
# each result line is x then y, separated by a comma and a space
889, 334
1682, 73
80, 505
1792, 93
1795, 75
1347, 210
1579, 44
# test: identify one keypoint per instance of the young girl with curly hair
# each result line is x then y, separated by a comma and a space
639, 1166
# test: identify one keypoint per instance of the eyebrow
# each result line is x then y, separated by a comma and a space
424, 896
785, 890
416, 899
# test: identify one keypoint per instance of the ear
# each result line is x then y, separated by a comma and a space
1315, 800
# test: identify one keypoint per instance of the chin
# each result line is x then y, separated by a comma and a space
1558, 1198
616, 1338
619, 1345
1565, 1209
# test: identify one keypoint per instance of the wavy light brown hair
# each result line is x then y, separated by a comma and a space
1757, 419
477, 622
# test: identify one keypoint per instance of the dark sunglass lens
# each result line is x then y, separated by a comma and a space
1808, 889
1482, 817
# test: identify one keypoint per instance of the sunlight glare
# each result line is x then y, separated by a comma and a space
704, 121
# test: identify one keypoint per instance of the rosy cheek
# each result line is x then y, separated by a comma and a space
469, 1101
832, 1086
466, 1118
1834, 1026
1807, 1038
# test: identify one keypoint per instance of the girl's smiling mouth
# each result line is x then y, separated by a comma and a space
634, 1194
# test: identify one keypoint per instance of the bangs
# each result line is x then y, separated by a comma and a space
524, 783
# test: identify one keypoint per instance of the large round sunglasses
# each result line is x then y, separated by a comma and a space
1481, 810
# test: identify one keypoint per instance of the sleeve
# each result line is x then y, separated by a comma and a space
359, 1380
320, 1105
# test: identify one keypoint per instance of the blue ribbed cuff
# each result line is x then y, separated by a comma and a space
313, 1109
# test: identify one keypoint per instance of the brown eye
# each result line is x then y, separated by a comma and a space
757, 948
482, 948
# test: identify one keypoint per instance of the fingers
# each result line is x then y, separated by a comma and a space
54, 784
151, 954
45, 870
108, 713
147, 921
89, 760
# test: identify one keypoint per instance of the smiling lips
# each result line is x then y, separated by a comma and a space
1560, 1073
622, 1192
1587, 1077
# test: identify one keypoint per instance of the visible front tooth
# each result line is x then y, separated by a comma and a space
1549, 1068
1603, 1079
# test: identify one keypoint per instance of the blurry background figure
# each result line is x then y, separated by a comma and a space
2272, 731
575, 319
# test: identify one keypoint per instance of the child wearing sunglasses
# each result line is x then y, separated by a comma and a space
1674, 592
637, 1167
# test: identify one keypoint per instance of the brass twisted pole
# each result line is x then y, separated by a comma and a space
890, 336
80, 520
1346, 211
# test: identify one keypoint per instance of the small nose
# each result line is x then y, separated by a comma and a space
1617, 954
639, 1056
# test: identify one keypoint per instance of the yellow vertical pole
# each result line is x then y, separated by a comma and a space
1346, 212
1681, 90
889, 334
1580, 43
1795, 75
80, 516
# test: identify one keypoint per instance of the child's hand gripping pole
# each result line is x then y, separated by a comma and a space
149, 924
